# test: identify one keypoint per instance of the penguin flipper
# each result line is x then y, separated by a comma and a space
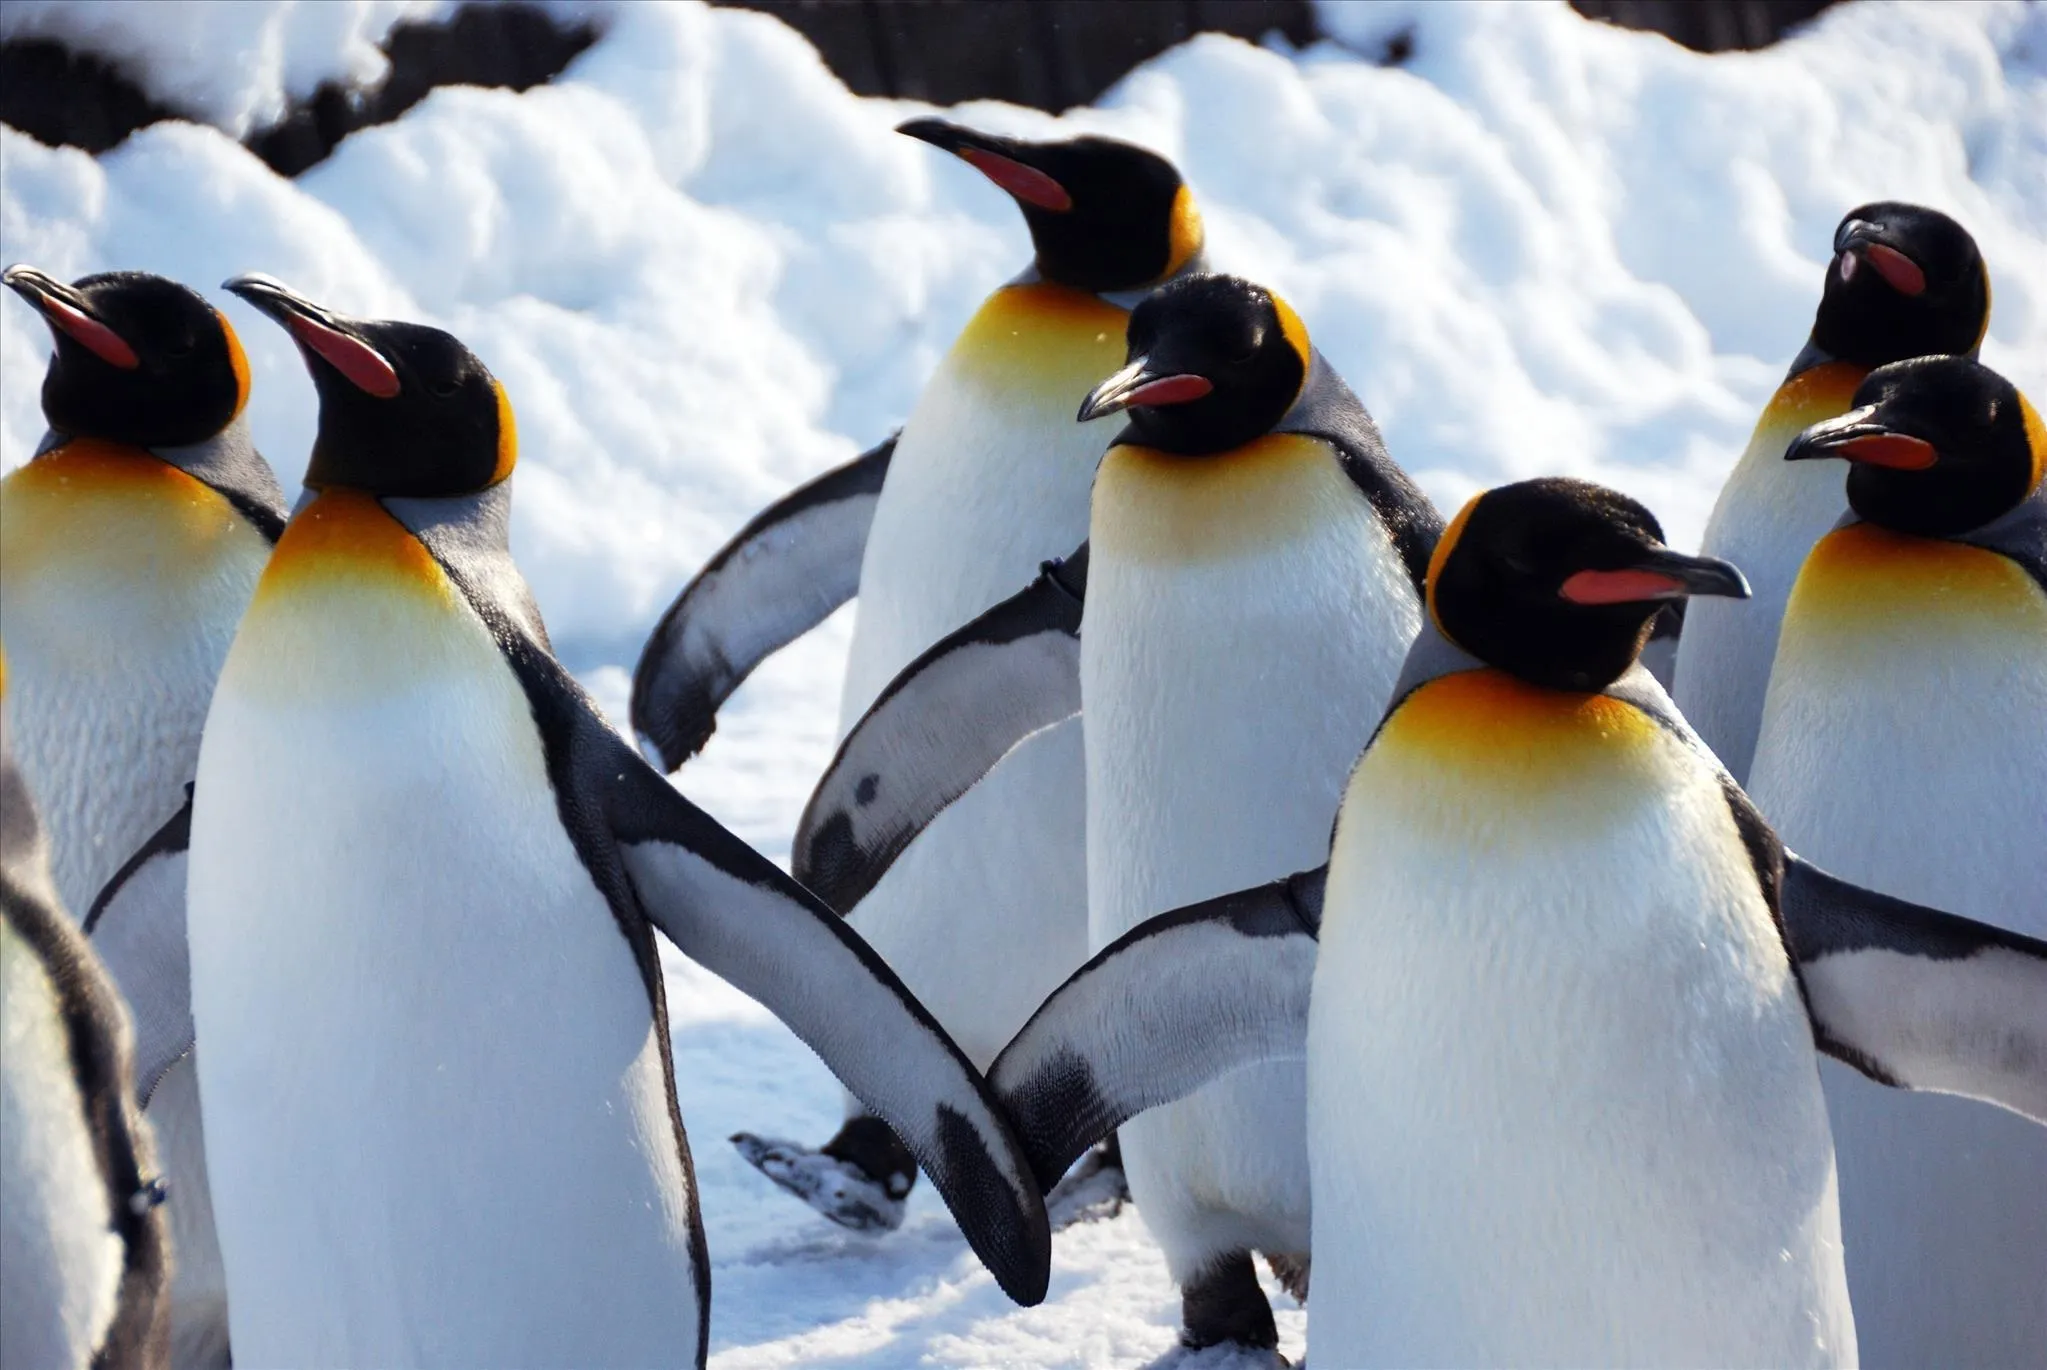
943, 723
782, 575
1168, 1007
735, 913
137, 925
1920, 999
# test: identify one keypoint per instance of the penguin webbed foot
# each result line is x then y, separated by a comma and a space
1225, 1305
836, 1187
1092, 1191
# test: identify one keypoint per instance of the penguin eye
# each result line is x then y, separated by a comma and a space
443, 388
181, 346
1247, 345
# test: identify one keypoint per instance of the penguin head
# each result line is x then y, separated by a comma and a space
1559, 582
1104, 215
1214, 362
1905, 281
404, 409
1937, 445
139, 359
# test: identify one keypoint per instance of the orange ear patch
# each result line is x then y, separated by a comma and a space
1184, 232
237, 361
508, 435
1444, 546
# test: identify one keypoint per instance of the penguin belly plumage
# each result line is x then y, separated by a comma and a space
450, 959
1562, 1103
1246, 616
1768, 516
1903, 746
121, 581
986, 913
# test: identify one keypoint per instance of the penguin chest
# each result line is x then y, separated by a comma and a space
1563, 1105
121, 582
1246, 616
1904, 740
60, 1261
426, 1036
1768, 516
990, 476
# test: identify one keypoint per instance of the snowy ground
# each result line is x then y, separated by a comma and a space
705, 272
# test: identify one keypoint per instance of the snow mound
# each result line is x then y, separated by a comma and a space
705, 272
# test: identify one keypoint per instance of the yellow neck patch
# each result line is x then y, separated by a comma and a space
1484, 730
237, 360
1042, 336
346, 536
1184, 231
1892, 591
508, 435
1153, 506
1816, 393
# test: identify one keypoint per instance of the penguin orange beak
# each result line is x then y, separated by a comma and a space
1001, 160
1136, 384
1661, 574
320, 333
1858, 436
67, 313
1858, 244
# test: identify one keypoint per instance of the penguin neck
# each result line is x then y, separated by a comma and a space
471, 537
228, 463
1126, 299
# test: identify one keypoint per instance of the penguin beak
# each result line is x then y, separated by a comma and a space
1137, 384
1858, 245
1660, 574
1002, 160
320, 333
67, 313
1858, 436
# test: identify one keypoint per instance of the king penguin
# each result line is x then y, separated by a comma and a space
129, 547
84, 1248
424, 882
988, 478
1558, 989
1904, 745
1904, 281
1251, 584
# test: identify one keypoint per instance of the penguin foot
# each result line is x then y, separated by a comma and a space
1226, 1304
1094, 1190
840, 1190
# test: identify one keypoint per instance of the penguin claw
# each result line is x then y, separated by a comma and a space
1094, 1191
835, 1188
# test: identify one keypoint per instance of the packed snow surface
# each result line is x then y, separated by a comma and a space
705, 272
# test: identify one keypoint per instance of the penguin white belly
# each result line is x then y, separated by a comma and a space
1246, 617
1904, 747
1768, 516
60, 1262
121, 582
437, 1118
1563, 1108
985, 914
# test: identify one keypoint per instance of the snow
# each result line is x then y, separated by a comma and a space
705, 272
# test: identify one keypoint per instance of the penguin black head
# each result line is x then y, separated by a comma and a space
1214, 362
1905, 281
1103, 215
1559, 581
139, 360
404, 409
1939, 446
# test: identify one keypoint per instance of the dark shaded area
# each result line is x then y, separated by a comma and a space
76, 100
510, 45
67, 99
1706, 25
1048, 53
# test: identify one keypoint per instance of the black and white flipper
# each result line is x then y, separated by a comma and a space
1176, 1002
1917, 998
785, 572
137, 925
735, 913
943, 723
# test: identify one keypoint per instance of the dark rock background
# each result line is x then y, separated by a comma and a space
1048, 53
